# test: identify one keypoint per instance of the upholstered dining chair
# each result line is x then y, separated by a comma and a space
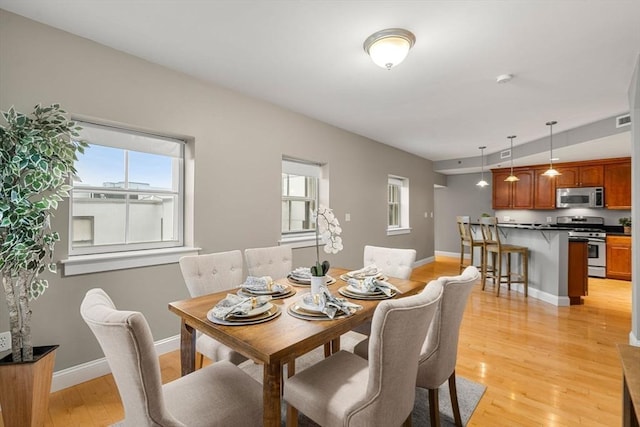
218, 395
206, 274
439, 351
347, 390
393, 262
274, 261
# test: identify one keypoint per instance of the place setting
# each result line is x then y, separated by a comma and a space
301, 277
237, 310
259, 286
322, 306
370, 288
370, 271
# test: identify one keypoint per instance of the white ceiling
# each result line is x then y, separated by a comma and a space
572, 61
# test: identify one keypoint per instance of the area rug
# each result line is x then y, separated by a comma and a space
469, 392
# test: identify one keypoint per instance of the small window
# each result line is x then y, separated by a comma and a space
300, 182
128, 193
398, 205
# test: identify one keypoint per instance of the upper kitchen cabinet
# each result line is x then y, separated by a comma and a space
617, 185
580, 176
544, 190
512, 195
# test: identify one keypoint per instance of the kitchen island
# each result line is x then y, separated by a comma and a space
548, 259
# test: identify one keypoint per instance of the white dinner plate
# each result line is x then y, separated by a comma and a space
256, 311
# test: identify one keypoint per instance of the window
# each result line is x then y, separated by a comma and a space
300, 198
398, 205
128, 194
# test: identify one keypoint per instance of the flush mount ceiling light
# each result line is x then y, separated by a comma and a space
388, 48
482, 182
512, 177
551, 171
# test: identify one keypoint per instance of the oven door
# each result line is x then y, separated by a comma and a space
597, 253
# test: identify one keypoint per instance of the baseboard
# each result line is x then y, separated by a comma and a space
424, 261
633, 340
452, 254
96, 368
556, 300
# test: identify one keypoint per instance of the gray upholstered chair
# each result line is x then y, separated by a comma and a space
439, 352
347, 390
274, 261
218, 395
393, 262
206, 274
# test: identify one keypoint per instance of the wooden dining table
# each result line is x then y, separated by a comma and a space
278, 341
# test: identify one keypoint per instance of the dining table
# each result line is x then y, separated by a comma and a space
278, 341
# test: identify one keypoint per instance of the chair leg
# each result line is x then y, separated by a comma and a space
453, 393
509, 270
483, 268
461, 257
525, 272
407, 422
434, 407
292, 416
199, 360
498, 273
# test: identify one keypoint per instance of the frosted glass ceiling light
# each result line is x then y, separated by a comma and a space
512, 177
551, 171
482, 182
388, 48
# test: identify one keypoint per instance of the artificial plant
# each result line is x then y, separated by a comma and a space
37, 155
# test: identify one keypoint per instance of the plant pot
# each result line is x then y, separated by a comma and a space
25, 388
627, 229
317, 283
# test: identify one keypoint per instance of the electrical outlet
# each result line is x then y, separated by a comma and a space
549, 219
5, 341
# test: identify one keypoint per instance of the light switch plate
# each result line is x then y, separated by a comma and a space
5, 341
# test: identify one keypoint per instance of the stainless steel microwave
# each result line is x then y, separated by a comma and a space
584, 197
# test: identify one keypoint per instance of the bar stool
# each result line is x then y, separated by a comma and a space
467, 240
493, 246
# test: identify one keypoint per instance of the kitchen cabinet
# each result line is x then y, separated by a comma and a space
513, 195
617, 185
578, 285
544, 190
619, 257
580, 176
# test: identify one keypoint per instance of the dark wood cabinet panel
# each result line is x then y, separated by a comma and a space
617, 185
580, 176
619, 257
513, 195
578, 285
544, 190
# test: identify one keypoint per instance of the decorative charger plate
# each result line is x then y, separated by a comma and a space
264, 316
378, 276
304, 283
296, 311
344, 291
289, 291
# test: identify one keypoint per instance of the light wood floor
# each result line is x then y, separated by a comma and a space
542, 365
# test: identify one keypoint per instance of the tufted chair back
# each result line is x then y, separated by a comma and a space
274, 261
392, 261
209, 273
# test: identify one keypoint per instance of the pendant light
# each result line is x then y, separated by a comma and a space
482, 182
512, 177
551, 171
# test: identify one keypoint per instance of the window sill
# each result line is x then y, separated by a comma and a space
301, 241
396, 231
84, 264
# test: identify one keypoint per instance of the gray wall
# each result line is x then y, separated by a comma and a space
461, 196
239, 144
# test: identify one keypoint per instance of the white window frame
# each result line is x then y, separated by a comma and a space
403, 227
122, 256
304, 168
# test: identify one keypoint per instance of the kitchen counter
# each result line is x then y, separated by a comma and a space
548, 259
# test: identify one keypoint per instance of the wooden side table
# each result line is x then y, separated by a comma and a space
630, 358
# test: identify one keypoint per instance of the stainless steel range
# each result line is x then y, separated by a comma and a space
592, 229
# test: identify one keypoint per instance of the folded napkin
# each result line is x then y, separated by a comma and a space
233, 305
331, 305
262, 284
371, 284
369, 270
301, 273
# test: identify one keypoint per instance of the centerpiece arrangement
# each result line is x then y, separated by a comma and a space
327, 227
